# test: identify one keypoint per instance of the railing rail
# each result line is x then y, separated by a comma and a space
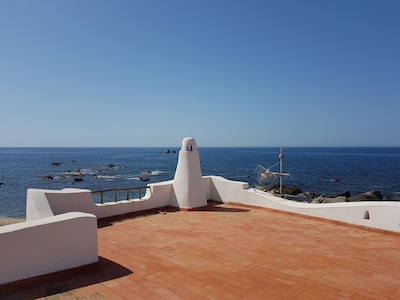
115, 191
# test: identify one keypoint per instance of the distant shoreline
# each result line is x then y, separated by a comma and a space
7, 221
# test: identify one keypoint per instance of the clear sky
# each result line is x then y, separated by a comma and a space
228, 73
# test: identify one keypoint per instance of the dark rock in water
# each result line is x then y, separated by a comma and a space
311, 195
112, 166
169, 151
344, 194
334, 180
299, 198
368, 196
48, 177
329, 199
2, 183
78, 179
345, 197
335, 200
57, 164
386, 198
267, 188
289, 190
144, 178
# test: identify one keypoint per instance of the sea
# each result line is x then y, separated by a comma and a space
314, 170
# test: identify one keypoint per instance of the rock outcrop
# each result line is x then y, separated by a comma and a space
287, 190
368, 196
345, 197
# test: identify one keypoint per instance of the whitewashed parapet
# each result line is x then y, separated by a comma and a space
42, 203
375, 214
219, 189
47, 245
383, 215
157, 195
45, 203
37, 205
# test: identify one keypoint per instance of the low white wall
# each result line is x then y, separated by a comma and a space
47, 245
219, 189
60, 231
44, 203
382, 214
37, 206
157, 195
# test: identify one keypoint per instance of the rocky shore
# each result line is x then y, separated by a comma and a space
8, 221
296, 194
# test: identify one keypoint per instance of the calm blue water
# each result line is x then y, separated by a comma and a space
358, 169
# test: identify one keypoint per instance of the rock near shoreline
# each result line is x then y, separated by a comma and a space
367, 196
296, 194
8, 221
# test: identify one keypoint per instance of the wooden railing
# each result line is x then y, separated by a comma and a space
115, 192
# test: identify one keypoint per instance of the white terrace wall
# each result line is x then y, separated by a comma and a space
375, 214
383, 215
47, 245
44, 203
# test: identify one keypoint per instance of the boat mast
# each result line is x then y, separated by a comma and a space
280, 171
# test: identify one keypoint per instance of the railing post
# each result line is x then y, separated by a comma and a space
115, 195
127, 194
140, 193
101, 197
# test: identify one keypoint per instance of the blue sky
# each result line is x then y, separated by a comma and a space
228, 73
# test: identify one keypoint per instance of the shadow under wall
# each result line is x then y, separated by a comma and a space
212, 206
109, 221
216, 208
64, 281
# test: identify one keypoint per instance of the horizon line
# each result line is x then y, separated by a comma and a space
170, 147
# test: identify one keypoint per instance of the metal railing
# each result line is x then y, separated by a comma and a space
115, 193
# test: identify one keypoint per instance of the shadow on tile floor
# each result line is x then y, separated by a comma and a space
64, 281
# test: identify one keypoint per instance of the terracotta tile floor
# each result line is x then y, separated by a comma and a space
228, 252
